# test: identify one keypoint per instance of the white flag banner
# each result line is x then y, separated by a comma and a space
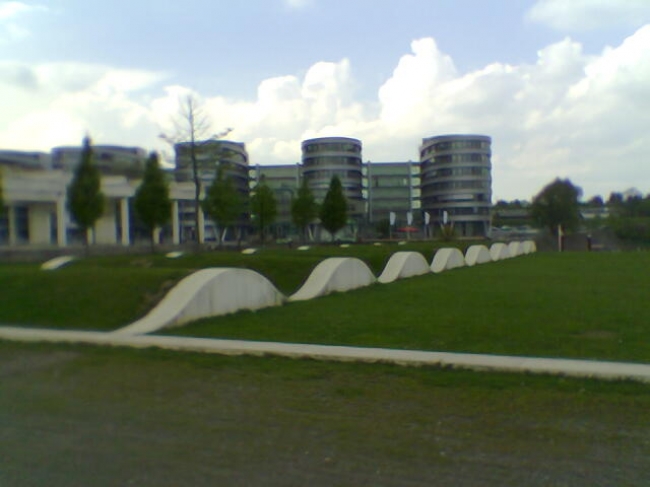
409, 217
392, 218
427, 218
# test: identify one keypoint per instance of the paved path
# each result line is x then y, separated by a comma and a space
502, 363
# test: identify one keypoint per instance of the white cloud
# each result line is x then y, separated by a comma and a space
56, 103
569, 114
582, 15
10, 12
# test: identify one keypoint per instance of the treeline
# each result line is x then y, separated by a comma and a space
629, 218
557, 204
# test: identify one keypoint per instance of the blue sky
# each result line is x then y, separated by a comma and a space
562, 86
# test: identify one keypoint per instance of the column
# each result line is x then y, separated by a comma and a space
61, 224
176, 238
11, 221
124, 221
39, 223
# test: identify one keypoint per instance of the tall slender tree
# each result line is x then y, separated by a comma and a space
304, 208
334, 210
264, 208
85, 199
223, 202
152, 203
193, 127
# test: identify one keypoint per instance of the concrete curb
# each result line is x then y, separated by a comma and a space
496, 363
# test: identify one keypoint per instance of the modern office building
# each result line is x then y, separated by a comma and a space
393, 187
110, 159
455, 173
25, 160
211, 155
284, 180
325, 157
453, 176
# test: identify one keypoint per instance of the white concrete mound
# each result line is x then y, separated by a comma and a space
447, 258
499, 251
515, 248
477, 254
334, 274
529, 246
404, 264
56, 263
208, 292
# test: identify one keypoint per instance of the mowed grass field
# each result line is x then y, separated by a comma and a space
581, 305
82, 415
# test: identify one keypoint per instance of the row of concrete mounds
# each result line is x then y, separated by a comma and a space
219, 291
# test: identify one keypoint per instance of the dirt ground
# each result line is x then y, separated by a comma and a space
82, 416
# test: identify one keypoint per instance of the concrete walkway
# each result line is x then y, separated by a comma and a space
498, 363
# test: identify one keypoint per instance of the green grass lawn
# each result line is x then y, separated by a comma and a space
108, 292
582, 305
556, 305
81, 415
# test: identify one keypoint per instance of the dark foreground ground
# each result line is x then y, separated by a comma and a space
81, 416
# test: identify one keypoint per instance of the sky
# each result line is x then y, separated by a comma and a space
561, 86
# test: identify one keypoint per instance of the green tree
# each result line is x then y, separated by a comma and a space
152, 203
334, 210
304, 208
222, 202
85, 199
264, 208
557, 204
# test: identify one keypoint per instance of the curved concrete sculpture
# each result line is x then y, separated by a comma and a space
515, 249
208, 292
56, 263
447, 258
499, 251
404, 264
529, 246
477, 254
335, 274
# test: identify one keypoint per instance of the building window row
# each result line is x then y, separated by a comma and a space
333, 147
332, 161
458, 158
456, 145
451, 198
328, 175
447, 185
459, 171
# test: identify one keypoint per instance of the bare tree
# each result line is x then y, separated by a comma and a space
193, 129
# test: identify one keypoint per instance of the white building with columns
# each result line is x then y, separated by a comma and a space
35, 209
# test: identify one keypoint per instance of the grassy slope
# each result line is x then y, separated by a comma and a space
98, 416
569, 305
109, 292
73, 297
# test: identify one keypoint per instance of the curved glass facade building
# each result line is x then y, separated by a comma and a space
210, 154
325, 157
456, 178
